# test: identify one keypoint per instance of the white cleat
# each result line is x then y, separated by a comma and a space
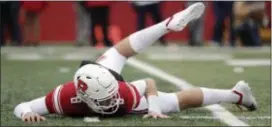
179, 20
246, 98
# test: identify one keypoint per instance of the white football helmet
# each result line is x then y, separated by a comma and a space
97, 87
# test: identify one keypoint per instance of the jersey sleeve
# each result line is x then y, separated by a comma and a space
130, 95
135, 95
52, 100
63, 100
140, 86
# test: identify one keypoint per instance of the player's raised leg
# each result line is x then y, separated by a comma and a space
240, 94
138, 41
115, 57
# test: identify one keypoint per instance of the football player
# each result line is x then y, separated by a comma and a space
98, 88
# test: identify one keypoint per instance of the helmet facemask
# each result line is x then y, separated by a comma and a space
107, 105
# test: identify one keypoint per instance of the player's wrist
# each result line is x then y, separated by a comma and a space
21, 109
153, 104
23, 114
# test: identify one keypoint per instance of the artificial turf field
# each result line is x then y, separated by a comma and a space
28, 73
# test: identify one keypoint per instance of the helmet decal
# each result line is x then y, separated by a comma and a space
82, 85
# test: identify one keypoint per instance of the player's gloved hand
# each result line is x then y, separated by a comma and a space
32, 117
155, 115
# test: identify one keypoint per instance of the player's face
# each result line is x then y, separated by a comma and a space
104, 106
105, 102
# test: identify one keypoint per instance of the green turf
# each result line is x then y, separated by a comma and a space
26, 80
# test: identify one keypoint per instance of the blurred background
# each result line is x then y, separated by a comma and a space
99, 24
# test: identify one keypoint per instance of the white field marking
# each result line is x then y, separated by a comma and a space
238, 69
64, 69
50, 50
240, 117
39, 56
91, 119
77, 56
218, 111
28, 56
188, 56
249, 62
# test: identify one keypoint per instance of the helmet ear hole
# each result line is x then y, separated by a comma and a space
88, 77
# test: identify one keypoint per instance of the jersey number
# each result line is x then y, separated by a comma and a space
75, 100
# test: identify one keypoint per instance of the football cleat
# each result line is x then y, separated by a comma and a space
179, 20
246, 98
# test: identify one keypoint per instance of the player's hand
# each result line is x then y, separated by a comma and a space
31, 117
155, 115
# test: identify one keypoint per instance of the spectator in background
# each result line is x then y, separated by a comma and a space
82, 23
9, 22
248, 19
99, 14
223, 10
195, 29
268, 12
32, 25
142, 8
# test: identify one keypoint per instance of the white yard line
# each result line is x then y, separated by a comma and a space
218, 111
240, 117
188, 56
249, 62
76, 56
26, 56
209, 57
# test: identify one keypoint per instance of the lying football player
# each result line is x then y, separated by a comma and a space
98, 88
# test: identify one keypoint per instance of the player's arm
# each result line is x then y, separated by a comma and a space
148, 89
32, 111
40, 106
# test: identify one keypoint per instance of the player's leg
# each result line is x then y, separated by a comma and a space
196, 97
140, 40
115, 57
168, 102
